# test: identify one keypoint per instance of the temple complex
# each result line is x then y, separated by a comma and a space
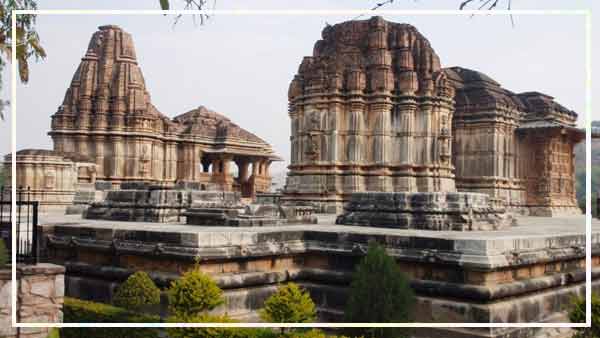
108, 115
373, 110
441, 166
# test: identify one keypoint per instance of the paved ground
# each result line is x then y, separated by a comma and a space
527, 227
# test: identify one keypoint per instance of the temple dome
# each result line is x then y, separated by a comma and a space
108, 79
371, 55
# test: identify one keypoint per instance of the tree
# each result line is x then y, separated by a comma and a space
28, 41
137, 292
577, 315
194, 293
290, 304
379, 293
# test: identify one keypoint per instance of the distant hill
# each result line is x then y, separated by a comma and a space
580, 173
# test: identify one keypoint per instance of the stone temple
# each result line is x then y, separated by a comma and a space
469, 186
108, 115
373, 110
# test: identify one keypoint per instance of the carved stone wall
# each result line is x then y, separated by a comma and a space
515, 147
50, 176
107, 114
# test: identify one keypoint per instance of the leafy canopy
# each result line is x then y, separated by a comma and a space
195, 292
379, 293
28, 41
137, 292
290, 304
577, 315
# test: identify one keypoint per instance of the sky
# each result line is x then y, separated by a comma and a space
241, 66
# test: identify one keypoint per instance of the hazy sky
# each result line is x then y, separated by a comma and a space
241, 66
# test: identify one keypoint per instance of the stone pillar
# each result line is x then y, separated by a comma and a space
99, 144
242, 170
255, 165
118, 165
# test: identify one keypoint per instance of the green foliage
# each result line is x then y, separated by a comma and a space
580, 185
28, 41
379, 293
213, 332
3, 254
234, 332
290, 304
80, 311
137, 292
577, 315
54, 333
195, 292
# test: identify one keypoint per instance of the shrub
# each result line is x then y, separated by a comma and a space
3, 254
577, 315
80, 311
379, 293
214, 332
194, 293
54, 333
290, 304
137, 292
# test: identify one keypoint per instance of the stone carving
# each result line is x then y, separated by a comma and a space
440, 211
145, 161
312, 147
50, 179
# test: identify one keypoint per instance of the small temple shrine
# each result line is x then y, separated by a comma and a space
108, 115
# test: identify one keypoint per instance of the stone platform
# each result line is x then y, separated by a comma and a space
143, 202
462, 211
526, 273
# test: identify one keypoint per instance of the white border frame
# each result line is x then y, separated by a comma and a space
588, 118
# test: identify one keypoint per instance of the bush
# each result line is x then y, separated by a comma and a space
379, 293
194, 293
80, 311
3, 254
577, 315
214, 332
137, 292
290, 304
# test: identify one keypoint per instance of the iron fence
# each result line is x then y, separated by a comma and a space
26, 224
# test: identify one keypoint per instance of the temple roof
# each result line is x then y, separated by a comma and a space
75, 157
206, 122
108, 79
476, 91
351, 56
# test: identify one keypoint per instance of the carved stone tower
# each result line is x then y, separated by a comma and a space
371, 110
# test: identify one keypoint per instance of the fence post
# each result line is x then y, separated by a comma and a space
34, 234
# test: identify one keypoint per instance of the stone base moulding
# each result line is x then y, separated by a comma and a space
461, 211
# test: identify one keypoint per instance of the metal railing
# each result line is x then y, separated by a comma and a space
26, 224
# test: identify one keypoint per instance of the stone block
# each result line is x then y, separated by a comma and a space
424, 210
